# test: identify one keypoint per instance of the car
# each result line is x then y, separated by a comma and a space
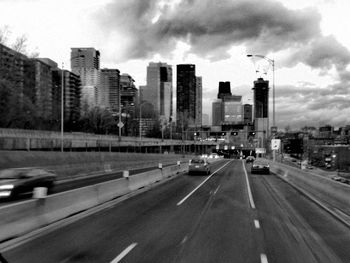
17, 181
198, 165
250, 159
213, 156
260, 167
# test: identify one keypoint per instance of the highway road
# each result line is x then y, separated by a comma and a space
216, 218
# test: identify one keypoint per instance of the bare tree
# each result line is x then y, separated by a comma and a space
5, 32
20, 44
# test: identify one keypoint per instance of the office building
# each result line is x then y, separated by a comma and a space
128, 93
43, 89
110, 83
159, 89
186, 95
71, 95
85, 62
205, 119
217, 113
261, 110
199, 95
248, 113
232, 109
224, 89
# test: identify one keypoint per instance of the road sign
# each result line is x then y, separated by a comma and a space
120, 124
275, 144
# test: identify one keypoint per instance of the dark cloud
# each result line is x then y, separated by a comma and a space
210, 27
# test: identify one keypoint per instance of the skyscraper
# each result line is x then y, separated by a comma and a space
232, 110
85, 62
224, 89
199, 93
186, 94
248, 113
261, 110
159, 89
110, 83
217, 113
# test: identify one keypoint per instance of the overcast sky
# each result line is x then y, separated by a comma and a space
308, 39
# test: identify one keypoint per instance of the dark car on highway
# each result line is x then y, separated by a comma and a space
250, 159
17, 181
198, 165
260, 167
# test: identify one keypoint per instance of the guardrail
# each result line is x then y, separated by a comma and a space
21, 218
334, 195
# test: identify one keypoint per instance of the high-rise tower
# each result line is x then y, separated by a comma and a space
159, 89
85, 62
261, 110
186, 94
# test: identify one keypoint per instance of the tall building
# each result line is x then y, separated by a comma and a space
224, 89
159, 89
217, 113
128, 93
232, 109
186, 94
199, 92
261, 110
43, 89
85, 62
248, 113
71, 95
110, 83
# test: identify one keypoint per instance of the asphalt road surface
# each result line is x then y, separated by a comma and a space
214, 218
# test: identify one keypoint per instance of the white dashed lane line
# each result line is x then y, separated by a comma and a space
124, 253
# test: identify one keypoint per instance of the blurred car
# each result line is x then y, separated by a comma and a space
261, 167
250, 159
17, 181
198, 165
214, 156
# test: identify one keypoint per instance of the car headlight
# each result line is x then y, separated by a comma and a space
6, 187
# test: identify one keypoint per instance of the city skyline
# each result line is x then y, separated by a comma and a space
305, 38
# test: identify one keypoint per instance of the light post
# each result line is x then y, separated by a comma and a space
62, 106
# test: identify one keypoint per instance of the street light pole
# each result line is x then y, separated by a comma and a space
62, 107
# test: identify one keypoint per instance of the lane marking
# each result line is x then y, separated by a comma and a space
184, 240
251, 200
194, 190
124, 253
217, 189
263, 258
257, 224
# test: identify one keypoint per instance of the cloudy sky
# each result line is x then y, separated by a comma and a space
308, 39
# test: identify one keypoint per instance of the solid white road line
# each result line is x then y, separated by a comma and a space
263, 258
194, 190
251, 200
124, 253
217, 189
257, 224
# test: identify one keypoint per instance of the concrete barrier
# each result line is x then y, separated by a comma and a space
334, 195
138, 181
20, 218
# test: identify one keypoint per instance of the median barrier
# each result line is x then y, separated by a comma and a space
138, 181
20, 218
333, 194
112, 189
